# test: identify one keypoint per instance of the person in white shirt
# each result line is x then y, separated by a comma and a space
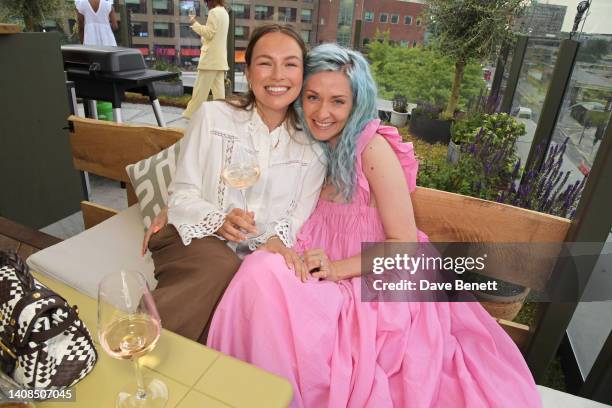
195, 254
96, 18
213, 56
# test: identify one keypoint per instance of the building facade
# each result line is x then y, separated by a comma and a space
540, 20
402, 19
160, 28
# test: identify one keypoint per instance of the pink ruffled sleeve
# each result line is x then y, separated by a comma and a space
403, 150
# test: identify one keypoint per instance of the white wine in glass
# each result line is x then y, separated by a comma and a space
241, 174
128, 328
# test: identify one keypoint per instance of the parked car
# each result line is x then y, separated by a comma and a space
588, 113
522, 112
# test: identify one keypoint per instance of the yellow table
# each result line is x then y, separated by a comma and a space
196, 376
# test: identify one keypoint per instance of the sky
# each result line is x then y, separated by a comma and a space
599, 20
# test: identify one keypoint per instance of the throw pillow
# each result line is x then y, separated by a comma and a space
151, 178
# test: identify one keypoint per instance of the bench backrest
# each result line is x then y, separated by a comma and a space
106, 148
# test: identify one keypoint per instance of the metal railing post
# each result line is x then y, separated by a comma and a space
564, 66
515, 71
591, 224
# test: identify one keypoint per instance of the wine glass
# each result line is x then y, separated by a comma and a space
128, 328
191, 12
242, 173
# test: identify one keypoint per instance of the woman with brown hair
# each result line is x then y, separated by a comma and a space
195, 254
213, 56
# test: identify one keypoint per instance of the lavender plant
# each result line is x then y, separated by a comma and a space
545, 189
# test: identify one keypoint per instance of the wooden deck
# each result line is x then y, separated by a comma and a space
24, 240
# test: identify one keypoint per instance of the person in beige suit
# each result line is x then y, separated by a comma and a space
213, 56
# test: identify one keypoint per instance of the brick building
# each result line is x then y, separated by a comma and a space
403, 20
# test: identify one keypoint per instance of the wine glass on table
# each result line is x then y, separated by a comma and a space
128, 328
242, 173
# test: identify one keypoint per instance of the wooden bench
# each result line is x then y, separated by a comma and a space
105, 148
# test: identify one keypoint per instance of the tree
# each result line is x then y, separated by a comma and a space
33, 12
420, 74
469, 29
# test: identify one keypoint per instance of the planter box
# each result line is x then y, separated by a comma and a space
399, 119
169, 88
430, 130
454, 152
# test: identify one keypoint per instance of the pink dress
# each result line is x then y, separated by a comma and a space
340, 352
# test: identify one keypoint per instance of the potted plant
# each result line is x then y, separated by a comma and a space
425, 123
501, 125
399, 114
168, 87
543, 189
467, 30
462, 131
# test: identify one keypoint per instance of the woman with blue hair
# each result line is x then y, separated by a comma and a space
313, 328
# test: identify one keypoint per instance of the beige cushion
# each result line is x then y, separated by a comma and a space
150, 178
557, 399
82, 260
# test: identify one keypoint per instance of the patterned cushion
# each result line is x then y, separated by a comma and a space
150, 178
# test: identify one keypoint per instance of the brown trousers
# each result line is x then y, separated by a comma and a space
190, 280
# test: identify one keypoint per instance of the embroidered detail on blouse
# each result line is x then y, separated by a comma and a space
229, 149
281, 229
208, 226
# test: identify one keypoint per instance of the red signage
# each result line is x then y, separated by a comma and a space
165, 51
190, 52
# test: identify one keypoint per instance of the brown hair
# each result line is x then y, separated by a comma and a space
247, 101
215, 3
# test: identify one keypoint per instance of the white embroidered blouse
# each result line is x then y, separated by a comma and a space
292, 172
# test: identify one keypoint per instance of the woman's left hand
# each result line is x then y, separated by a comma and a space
192, 19
317, 259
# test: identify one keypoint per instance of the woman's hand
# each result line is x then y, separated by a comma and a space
192, 19
235, 223
316, 260
292, 259
158, 223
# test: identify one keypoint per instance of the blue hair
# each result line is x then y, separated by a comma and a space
341, 160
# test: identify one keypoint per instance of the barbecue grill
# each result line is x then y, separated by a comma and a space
106, 73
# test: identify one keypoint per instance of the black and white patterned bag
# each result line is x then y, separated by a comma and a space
43, 343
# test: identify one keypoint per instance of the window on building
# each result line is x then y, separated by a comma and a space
414, 43
241, 32
305, 35
140, 29
322, 21
408, 20
137, 6
187, 32
368, 16
384, 17
404, 43
394, 18
264, 12
163, 29
162, 7
287, 14
241, 10
186, 5
306, 16
418, 22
